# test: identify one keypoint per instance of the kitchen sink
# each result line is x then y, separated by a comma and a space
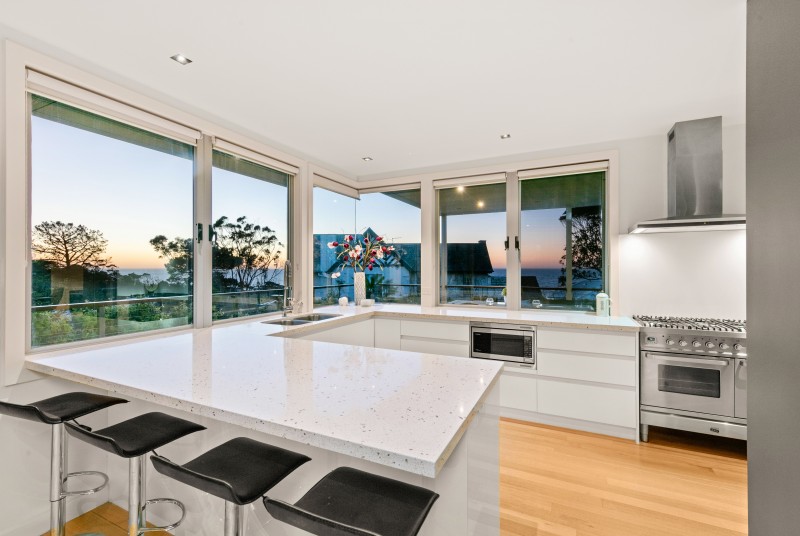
316, 317
288, 322
301, 320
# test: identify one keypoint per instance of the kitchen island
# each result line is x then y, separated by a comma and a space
426, 419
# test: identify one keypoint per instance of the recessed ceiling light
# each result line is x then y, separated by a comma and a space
480, 204
367, 159
505, 136
460, 189
180, 58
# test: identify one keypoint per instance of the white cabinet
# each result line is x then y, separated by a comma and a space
357, 334
595, 342
518, 389
595, 403
443, 338
601, 368
387, 333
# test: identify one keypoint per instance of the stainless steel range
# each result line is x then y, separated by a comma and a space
693, 375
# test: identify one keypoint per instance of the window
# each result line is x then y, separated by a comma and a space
111, 222
562, 241
396, 217
472, 232
250, 215
548, 246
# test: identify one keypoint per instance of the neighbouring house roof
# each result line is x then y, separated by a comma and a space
462, 258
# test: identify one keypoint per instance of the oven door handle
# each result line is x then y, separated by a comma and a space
689, 360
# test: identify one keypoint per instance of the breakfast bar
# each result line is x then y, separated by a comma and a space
426, 419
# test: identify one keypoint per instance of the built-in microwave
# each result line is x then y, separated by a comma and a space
503, 342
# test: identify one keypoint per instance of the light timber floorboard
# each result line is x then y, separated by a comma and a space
558, 482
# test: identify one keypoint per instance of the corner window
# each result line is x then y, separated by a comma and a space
395, 216
111, 207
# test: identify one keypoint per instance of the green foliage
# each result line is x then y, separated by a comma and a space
587, 245
67, 244
245, 254
178, 254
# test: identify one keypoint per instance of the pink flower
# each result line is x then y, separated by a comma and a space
332, 245
366, 240
346, 246
384, 249
334, 275
335, 244
378, 239
373, 253
370, 267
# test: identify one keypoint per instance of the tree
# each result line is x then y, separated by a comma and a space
246, 253
178, 253
587, 244
64, 245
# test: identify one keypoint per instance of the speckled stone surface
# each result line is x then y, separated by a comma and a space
400, 409
566, 320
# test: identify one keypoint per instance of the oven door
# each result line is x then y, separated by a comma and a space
700, 384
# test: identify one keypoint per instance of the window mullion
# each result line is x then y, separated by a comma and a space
513, 273
203, 247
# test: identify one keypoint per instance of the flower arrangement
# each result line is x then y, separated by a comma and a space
361, 255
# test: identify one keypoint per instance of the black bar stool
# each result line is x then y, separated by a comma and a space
55, 411
349, 502
238, 471
133, 439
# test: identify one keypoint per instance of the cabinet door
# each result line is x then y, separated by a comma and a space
439, 347
358, 334
387, 333
518, 391
594, 403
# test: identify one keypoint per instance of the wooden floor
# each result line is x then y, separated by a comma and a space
556, 482
106, 520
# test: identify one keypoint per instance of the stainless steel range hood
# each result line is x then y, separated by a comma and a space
694, 186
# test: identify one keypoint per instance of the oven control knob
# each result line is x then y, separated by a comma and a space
670, 342
724, 346
683, 343
710, 345
738, 347
697, 344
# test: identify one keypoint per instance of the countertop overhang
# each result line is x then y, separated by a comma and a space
354, 400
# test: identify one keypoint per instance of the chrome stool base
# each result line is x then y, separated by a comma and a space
59, 478
137, 504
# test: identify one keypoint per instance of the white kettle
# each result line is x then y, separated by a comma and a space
602, 304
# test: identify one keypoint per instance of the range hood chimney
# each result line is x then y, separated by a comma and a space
694, 185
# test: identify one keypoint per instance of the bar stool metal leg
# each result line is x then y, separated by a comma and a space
136, 494
58, 475
233, 519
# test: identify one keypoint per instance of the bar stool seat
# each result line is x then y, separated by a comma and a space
137, 436
61, 408
349, 502
132, 439
55, 411
239, 471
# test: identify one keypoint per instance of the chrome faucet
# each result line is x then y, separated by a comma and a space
288, 300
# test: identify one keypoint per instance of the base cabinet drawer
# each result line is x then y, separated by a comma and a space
452, 331
594, 342
587, 367
594, 403
428, 346
518, 391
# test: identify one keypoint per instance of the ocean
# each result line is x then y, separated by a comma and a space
548, 277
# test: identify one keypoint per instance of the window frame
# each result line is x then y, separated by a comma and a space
101, 97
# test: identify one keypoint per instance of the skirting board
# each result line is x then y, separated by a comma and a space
574, 424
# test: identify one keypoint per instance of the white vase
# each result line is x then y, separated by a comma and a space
359, 287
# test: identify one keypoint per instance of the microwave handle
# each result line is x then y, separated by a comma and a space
689, 360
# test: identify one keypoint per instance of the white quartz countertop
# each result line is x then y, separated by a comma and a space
565, 319
400, 409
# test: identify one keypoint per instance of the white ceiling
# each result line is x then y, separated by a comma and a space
415, 83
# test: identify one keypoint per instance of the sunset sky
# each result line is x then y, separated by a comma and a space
131, 194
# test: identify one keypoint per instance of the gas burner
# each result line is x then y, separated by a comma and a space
688, 323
